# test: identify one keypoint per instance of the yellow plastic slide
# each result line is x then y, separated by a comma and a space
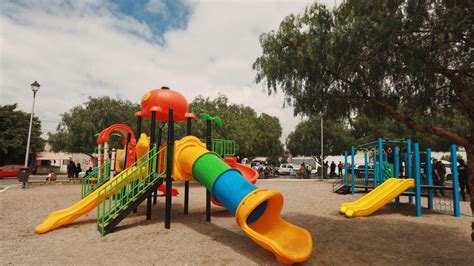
289, 243
68, 215
377, 198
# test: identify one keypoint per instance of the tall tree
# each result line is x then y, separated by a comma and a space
376, 57
241, 124
77, 129
268, 137
306, 139
14, 125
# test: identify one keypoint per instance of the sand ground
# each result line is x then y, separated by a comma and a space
391, 236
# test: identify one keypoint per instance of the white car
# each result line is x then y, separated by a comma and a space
287, 169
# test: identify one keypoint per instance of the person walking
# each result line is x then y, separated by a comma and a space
340, 166
302, 171
463, 180
333, 170
77, 170
71, 169
437, 178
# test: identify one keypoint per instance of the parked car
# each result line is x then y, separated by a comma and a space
10, 171
287, 169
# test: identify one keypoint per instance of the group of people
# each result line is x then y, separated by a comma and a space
304, 171
73, 170
439, 175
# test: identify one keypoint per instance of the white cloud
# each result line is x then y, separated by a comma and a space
81, 50
156, 6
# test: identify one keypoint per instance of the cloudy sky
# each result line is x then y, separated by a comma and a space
123, 48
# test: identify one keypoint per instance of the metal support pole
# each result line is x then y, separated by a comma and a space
396, 164
346, 174
160, 137
375, 165
429, 175
380, 177
186, 183
353, 169
366, 164
417, 180
454, 172
209, 147
29, 130
409, 168
169, 168
323, 172
152, 143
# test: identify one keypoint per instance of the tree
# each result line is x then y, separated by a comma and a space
268, 137
77, 129
241, 124
14, 125
306, 139
409, 60
365, 129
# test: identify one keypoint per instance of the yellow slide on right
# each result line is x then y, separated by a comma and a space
377, 198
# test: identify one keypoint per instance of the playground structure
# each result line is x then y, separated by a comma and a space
112, 162
396, 174
257, 211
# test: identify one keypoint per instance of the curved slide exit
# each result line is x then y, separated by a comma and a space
257, 211
377, 198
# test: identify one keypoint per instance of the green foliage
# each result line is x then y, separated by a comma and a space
306, 139
407, 60
254, 135
14, 125
78, 127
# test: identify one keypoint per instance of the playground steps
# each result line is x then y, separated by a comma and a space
115, 219
120, 196
339, 187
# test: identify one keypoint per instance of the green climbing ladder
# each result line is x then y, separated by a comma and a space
126, 193
91, 182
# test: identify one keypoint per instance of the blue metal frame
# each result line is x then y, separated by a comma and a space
366, 163
346, 182
353, 169
380, 160
409, 168
417, 180
429, 175
375, 176
454, 171
396, 162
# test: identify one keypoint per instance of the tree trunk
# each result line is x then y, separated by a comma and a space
470, 173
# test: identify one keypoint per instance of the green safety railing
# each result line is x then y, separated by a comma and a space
91, 182
223, 147
118, 194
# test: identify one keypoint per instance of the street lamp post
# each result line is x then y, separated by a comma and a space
34, 87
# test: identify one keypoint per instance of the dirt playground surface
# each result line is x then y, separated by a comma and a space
391, 236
